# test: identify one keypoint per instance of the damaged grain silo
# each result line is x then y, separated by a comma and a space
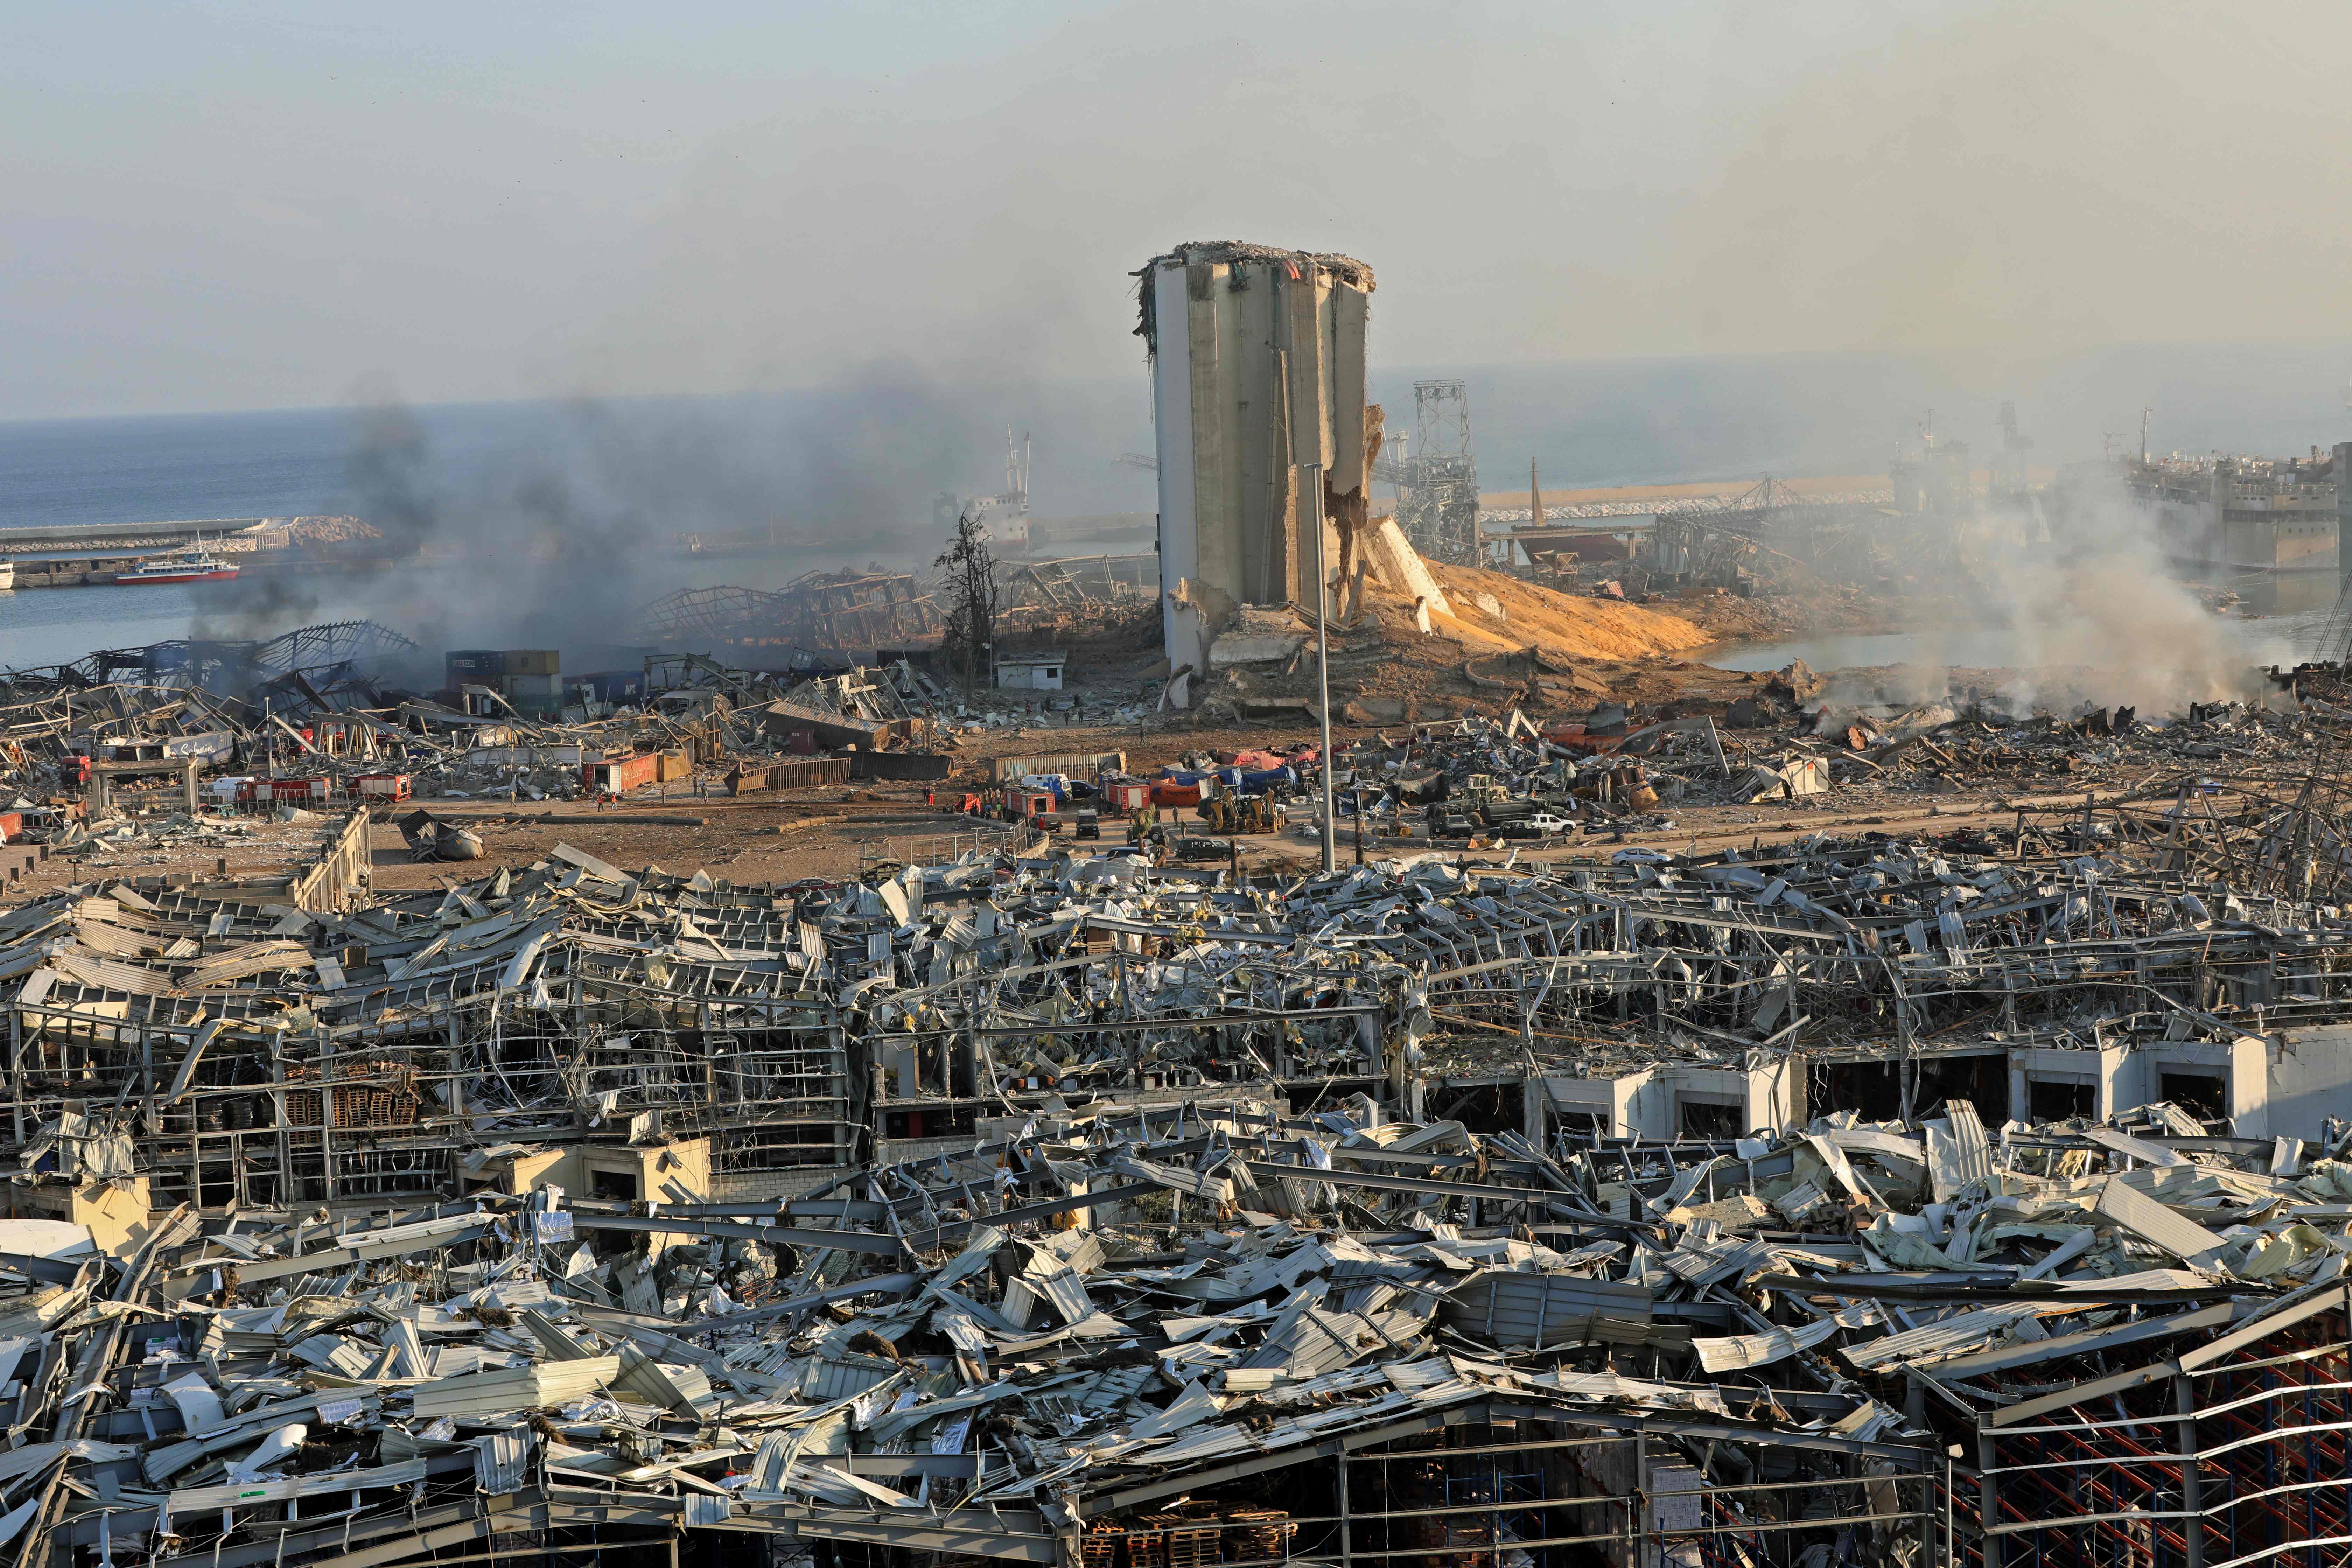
1258, 367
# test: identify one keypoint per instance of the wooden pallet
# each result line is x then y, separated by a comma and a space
1147, 1547
389, 1104
1100, 1547
1256, 1534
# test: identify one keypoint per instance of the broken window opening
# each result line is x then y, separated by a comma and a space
1711, 1118
613, 1186
2060, 1099
2203, 1095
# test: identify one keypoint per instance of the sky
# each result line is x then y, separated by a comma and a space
213, 206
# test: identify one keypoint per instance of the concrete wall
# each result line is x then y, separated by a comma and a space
752, 1186
2124, 1078
1611, 1098
1184, 628
2309, 1074
2093, 1069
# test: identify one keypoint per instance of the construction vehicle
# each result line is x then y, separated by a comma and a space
1479, 789
1241, 814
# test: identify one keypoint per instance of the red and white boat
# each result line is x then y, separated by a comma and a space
179, 566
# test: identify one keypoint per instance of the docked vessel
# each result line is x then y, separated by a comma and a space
196, 565
7, 574
1004, 519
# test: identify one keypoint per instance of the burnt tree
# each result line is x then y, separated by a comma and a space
972, 596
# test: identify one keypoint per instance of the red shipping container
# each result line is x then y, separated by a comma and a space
620, 776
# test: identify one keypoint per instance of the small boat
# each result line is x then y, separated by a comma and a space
7, 574
196, 565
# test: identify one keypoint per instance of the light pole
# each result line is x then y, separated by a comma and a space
1323, 667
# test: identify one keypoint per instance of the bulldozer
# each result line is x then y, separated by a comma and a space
1241, 813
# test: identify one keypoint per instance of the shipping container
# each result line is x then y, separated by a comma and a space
284, 792
921, 767
476, 666
789, 776
532, 661
384, 786
621, 775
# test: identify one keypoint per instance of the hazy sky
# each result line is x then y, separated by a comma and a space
224, 205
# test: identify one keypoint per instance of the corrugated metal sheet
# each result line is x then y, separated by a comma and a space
189, 1500
79, 964
502, 1461
509, 1389
2153, 1223
832, 1377
1975, 1150
1514, 1308
1066, 1292
645, 1381
1954, 1333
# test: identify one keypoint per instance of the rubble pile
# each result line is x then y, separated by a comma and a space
1867, 1199
1052, 1335
312, 720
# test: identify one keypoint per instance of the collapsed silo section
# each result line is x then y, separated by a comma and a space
1258, 377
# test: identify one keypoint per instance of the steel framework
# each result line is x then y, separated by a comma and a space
1439, 509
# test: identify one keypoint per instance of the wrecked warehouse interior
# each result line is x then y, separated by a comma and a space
1059, 1207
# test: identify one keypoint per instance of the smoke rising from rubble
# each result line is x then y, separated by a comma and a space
2103, 621
2096, 618
551, 526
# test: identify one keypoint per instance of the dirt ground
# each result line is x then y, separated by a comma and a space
831, 834
1386, 676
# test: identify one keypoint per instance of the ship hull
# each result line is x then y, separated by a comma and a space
217, 574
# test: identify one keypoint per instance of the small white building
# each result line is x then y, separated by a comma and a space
1040, 670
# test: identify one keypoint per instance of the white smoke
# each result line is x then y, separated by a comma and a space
2092, 613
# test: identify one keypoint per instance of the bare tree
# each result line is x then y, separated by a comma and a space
973, 597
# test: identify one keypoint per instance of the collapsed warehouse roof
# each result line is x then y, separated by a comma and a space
1091, 1338
1072, 1209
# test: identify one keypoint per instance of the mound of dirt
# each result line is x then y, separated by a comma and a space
1566, 625
1500, 643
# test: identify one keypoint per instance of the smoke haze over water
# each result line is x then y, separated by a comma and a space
555, 527
1665, 242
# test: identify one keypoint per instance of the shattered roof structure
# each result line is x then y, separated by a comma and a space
1071, 1209
1049, 1346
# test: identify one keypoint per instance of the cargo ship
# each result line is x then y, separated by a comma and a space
2245, 515
196, 565
1004, 519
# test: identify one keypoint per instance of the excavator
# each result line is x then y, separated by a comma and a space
1241, 813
